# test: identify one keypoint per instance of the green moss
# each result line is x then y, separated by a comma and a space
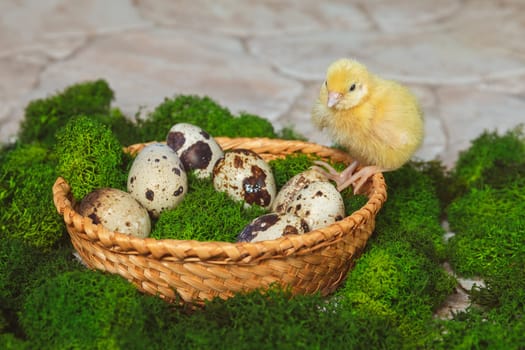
17, 262
273, 319
353, 202
505, 174
22, 268
288, 133
400, 285
249, 125
475, 329
16, 158
386, 302
504, 290
3, 322
9, 341
401, 278
490, 229
43, 117
286, 321
205, 215
497, 321
386, 328
286, 168
125, 130
487, 152
445, 187
205, 113
83, 310
89, 156
411, 213
27, 173
487, 213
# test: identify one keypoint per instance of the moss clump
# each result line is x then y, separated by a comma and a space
125, 130
205, 113
288, 133
412, 212
490, 229
270, 319
400, 277
398, 283
487, 219
43, 117
504, 174
276, 319
353, 202
17, 263
22, 268
9, 341
504, 290
488, 152
205, 215
27, 173
83, 310
476, 329
440, 178
89, 156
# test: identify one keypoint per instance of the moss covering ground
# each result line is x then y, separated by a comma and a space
48, 300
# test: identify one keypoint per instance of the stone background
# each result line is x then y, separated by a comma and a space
465, 60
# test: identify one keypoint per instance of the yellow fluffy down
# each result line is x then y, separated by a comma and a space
378, 121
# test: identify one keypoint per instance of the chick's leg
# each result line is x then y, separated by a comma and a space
359, 178
348, 176
339, 178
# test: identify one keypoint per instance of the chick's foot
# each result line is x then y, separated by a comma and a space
359, 178
340, 179
348, 176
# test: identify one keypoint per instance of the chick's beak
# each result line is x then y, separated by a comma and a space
333, 98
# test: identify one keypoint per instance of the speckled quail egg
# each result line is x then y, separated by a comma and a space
319, 204
117, 211
245, 176
157, 178
272, 226
195, 147
293, 186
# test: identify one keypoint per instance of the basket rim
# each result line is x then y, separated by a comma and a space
218, 252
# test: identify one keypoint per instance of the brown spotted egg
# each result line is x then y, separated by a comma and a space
117, 211
293, 186
157, 178
319, 204
245, 176
272, 226
195, 147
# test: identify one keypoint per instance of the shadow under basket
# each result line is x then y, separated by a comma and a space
193, 271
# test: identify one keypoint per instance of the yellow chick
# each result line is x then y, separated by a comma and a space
379, 122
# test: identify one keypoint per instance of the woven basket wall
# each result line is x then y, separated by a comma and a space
192, 271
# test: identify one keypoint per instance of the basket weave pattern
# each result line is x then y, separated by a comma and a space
195, 271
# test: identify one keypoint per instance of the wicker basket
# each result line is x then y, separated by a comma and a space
193, 271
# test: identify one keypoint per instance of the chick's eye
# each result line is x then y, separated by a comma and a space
352, 87
326, 83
